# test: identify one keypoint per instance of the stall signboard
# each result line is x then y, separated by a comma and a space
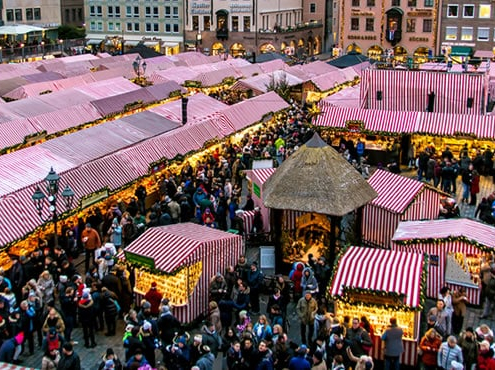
357, 297
140, 260
354, 125
256, 190
94, 198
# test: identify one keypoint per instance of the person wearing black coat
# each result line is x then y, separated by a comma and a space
112, 282
167, 325
87, 319
7, 349
68, 303
110, 311
69, 359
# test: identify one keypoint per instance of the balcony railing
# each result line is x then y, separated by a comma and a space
297, 27
21, 52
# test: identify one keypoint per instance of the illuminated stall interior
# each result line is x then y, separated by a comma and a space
375, 52
421, 55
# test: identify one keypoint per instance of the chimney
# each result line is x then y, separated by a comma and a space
184, 109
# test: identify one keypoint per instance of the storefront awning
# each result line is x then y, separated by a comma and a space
461, 51
484, 54
380, 270
150, 43
170, 44
131, 42
94, 42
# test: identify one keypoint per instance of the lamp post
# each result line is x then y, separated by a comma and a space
199, 40
139, 65
52, 183
22, 51
1, 55
42, 49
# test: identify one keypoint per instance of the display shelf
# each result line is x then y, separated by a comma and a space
380, 318
463, 270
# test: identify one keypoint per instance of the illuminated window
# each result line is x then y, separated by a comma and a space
451, 33
467, 33
485, 11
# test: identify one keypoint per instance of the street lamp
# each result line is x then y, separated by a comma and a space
199, 40
1, 55
52, 182
139, 64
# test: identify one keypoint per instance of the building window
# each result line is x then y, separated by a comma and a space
485, 11
395, 2
429, 3
355, 3
92, 11
411, 3
175, 10
117, 11
483, 33
370, 3
247, 24
148, 27
99, 11
354, 24
468, 11
235, 23
411, 25
207, 22
467, 33
136, 26
67, 15
30, 16
18, 14
73, 11
79, 14
128, 12
452, 11
370, 24
111, 26
427, 25
168, 12
147, 13
37, 14
175, 28
92, 26
312, 8
451, 33
9, 15
195, 23
136, 12
118, 26
109, 11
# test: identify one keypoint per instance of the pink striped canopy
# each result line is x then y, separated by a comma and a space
475, 231
380, 270
172, 246
395, 192
6, 366
260, 175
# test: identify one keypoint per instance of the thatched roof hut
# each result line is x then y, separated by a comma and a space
316, 178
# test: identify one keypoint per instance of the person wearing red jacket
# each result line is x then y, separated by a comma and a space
485, 357
154, 297
296, 277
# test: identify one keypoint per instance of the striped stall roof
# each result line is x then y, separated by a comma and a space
171, 246
380, 270
395, 192
454, 124
445, 228
374, 120
13, 132
65, 118
260, 175
6, 366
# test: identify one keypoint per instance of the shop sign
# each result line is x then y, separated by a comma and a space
361, 37
256, 190
372, 299
433, 259
354, 125
139, 260
94, 198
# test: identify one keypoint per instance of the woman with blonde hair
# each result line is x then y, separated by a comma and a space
363, 362
428, 349
214, 316
262, 328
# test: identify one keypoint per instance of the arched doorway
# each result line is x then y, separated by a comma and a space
267, 48
354, 48
317, 45
217, 48
421, 55
400, 54
375, 52
237, 50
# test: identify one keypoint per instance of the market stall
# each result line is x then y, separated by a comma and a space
255, 180
7, 366
381, 284
399, 199
181, 259
455, 250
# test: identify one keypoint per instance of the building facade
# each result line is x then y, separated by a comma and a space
72, 12
251, 27
117, 25
382, 29
466, 27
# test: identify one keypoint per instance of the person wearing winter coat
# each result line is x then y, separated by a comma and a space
211, 338
449, 351
167, 325
8, 348
87, 319
429, 346
266, 357
306, 309
69, 359
262, 329
110, 310
358, 338
110, 355
485, 360
469, 346
206, 360
392, 337
214, 316
318, 362
296, 276
308, 281
50, 360
148, 340
46, 286
254, 281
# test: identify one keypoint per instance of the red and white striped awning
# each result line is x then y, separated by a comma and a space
260, 175
6, 366
380, 270
374, 120
477, 232
446, 124
395, 192
171, 246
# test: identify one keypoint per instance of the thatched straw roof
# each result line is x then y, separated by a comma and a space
316, 178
